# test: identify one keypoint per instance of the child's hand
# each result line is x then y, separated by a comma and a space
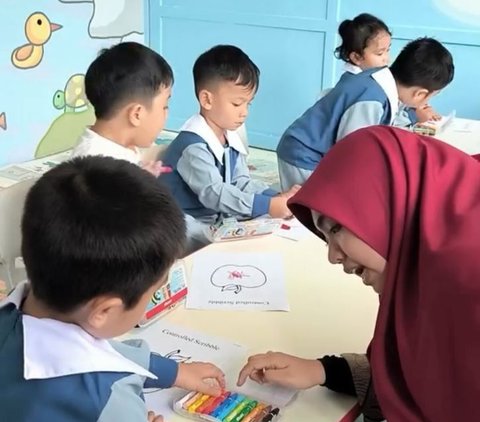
278, 207
203, 377
282, 369
292, 191
156, 168
154, 418
426, 113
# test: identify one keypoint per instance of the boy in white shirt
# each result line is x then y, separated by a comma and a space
129, 86
210, 178
94, 253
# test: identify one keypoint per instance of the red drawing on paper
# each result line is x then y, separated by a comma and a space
237, 274
235, 277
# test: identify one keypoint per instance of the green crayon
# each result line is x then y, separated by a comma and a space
245, 411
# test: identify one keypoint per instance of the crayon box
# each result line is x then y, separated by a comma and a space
229, 407
168, 296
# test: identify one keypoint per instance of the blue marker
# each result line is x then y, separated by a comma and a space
224, 409
231, 398
227, 409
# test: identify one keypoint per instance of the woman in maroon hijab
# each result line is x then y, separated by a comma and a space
401, 211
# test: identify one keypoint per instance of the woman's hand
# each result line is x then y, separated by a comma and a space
282, 369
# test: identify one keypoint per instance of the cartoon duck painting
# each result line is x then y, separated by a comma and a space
38, 30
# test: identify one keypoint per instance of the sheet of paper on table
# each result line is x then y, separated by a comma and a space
185, 345
238, 281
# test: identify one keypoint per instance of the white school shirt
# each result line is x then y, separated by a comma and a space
91, 143
71, 350
352, 68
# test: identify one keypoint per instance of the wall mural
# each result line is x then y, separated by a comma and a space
467, 11
48, 46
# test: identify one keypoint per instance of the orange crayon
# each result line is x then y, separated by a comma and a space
193, 398
252, 416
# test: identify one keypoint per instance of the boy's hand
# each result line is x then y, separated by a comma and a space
278, 207
282, 369
154, 418
203, 377
426, 113
156, 168
292, 191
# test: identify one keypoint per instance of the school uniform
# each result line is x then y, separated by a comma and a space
352, 68
91, 143
358, 100
406, 116
211, 181
55, 371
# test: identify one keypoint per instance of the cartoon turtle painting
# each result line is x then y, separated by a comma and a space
78, 113
73, 98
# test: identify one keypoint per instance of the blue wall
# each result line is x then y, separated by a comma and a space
292, 41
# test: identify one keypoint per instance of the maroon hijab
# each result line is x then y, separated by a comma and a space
416, 201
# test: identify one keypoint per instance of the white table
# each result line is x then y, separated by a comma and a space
464, 134
331, 312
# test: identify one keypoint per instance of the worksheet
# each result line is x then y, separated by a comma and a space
185, 345
238, 281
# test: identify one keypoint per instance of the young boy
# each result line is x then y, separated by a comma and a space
129, 86
210, 177
98, 238
421, 70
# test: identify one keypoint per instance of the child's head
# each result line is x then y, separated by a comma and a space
130, 84
99, 236
421, 70
365, 42
226, 80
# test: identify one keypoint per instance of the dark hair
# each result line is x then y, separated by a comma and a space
125, 72
425, 63
225, 63
96, 225
357, 33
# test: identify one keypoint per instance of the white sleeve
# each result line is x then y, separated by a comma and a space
361, 114
197, 168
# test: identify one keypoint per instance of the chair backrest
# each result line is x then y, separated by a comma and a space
12, 200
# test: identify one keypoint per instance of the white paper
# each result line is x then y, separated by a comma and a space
442, 123
15, 173
238, 281
293, 230
465, 126
184, 345
271, 394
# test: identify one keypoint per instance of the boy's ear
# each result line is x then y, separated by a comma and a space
135, 113
422, 94
205, 98
101, 309
355, 58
